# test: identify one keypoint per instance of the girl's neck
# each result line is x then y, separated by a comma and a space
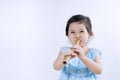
86, 49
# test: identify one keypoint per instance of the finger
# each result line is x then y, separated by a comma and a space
73, 55
76, 52
68, 53
76, 47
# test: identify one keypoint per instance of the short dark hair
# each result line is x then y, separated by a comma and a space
82, 19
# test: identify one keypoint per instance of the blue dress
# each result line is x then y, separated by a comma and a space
75, 69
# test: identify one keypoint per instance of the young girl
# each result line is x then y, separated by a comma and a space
83, 63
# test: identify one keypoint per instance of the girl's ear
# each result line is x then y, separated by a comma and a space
90, 34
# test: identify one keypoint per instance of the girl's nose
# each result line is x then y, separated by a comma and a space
77, 35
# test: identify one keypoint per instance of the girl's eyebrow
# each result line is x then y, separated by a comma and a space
81, 29
72, 30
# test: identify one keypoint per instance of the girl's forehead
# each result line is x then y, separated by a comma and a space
77, 26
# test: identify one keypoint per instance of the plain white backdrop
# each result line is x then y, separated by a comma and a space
33, 31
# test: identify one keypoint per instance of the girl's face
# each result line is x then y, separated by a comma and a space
78, 31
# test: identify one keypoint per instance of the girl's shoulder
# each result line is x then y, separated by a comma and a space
93, 52
64, 49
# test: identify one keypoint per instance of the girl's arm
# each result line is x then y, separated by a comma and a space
94, 66
58, 64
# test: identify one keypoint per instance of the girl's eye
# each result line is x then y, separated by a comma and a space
81, 31
72, 32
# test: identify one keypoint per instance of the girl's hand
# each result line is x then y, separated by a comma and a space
70, 53
78, 50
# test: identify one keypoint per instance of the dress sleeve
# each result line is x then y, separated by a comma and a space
64, 49
95, 52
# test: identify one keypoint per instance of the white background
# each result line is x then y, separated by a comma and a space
33, 31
